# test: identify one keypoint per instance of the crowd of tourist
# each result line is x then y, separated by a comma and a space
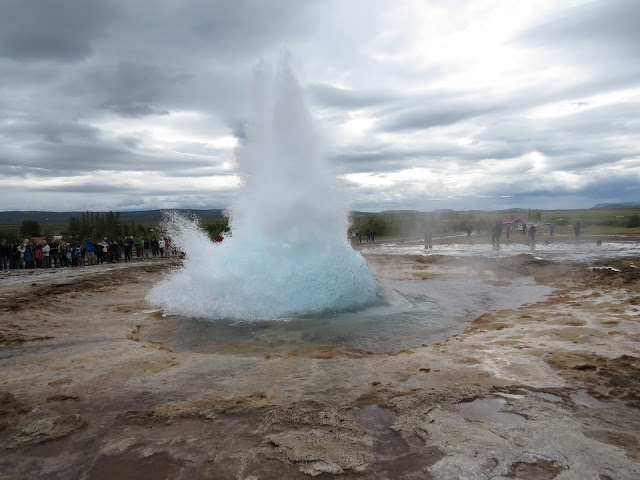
31, 254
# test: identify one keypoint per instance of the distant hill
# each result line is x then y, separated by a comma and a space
616, 205
399, 212
356, 213
15, 217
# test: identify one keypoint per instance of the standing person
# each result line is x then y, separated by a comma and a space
113, 251
146, 247
69, 255
105, 250
91, 251
524, 228
128, 249
78, 252
62, 249
15, 256
5, 250
551, 228
97, 250
495, 234
161, 245
508, 230
28, 255
119, 249
373, 235
55, 251
139, 246
428, 239
22, 248
37, 255
576, 229
46, 259
73, 258
532, 233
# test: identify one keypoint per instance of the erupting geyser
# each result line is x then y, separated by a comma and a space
288, 255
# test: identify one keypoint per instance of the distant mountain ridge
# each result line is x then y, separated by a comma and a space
16, 217
617, 205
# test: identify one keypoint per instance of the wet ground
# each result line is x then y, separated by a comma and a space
97, 384
557, 247
407, 315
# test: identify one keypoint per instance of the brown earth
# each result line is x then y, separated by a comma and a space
547, 390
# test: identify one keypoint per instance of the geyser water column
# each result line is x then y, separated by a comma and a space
288, 254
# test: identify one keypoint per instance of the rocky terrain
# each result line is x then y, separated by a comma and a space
88, 388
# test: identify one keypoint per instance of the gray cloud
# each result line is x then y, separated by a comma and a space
43, 30
162, 86
131, 89
340, 97
591, 28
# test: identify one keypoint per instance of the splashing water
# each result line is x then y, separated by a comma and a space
288, 255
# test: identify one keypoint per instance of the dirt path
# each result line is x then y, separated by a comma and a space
548, 390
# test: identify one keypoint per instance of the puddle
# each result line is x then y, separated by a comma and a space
397, 457
541, 469
510, 395
158, 465
585, 400
546, 396
375, 421
488, 410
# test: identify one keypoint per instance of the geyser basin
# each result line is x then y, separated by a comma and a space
558, 249
410, 313
288, 254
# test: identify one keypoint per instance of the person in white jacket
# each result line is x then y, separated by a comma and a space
46, 258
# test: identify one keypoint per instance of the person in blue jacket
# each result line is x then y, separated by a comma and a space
91, 253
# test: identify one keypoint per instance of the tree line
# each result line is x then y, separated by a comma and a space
409, 224
392, 224
97, 225
88, 225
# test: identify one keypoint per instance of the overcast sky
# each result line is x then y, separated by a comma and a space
134, 105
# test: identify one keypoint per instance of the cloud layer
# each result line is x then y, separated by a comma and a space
423, 105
